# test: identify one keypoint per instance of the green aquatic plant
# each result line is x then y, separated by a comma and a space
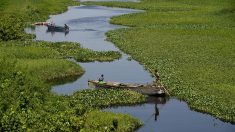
106, 121
47, 60
105, 97
28, 68
27, 104
12, 28
190, 43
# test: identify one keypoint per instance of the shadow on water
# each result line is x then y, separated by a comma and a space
53, 32
88, 25
67, 32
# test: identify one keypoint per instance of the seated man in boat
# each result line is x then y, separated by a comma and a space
52, 23
101, 79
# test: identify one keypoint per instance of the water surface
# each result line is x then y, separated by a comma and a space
88, 25
120, 71
172, 116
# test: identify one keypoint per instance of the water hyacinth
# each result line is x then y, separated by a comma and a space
28, 68
107, 97
191, 44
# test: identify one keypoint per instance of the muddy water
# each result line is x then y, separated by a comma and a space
88, 25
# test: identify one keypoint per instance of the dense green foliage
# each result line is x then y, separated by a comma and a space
15, 14
28, 68
11, 28
106, 122
27, 105
103, 121
73, 50
26, 102
46, 63
109, 97
191, 44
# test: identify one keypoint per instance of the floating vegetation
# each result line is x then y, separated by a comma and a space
28, 67
191, 43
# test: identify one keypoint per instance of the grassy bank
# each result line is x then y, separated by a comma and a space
190, 43
28, 68
106, 121
15, 15
48, 60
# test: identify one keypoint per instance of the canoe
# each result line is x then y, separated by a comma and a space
41, 23
150, 90
56, 28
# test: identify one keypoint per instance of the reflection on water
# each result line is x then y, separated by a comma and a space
156, 112
170, 115
155, 101
53, 32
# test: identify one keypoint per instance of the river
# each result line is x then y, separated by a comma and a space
88, 25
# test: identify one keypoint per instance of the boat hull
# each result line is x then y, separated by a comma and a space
149, 90
54, 28
41, 23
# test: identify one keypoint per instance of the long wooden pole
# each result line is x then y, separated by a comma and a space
157, 76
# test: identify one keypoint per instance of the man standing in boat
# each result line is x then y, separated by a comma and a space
66, 27
156, 73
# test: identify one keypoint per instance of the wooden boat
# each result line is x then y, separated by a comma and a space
55, 28
150, 90
41, 23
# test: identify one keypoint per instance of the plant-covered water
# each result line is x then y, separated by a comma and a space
88, 25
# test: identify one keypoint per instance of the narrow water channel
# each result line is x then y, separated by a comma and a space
88, 25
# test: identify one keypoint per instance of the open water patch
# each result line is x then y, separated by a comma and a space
88, 25
163, 115
122, 70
